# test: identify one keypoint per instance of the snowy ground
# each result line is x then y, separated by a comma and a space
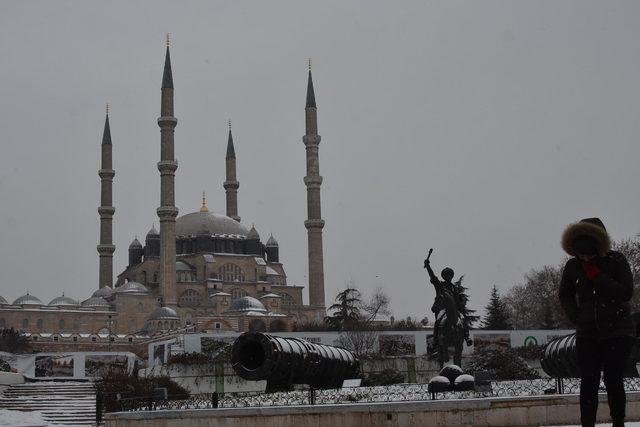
19, 418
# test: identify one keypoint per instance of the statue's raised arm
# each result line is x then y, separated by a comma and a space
432, 276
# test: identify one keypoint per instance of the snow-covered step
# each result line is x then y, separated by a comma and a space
58, 403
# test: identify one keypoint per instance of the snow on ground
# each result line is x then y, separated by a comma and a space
627, 424
20, 418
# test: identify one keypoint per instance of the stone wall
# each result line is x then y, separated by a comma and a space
494, 412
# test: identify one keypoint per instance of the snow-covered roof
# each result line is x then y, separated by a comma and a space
271, 272
270, 296
219, 294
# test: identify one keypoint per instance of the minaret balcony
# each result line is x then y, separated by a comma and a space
167, 212
106, 211
313, 181
167, 121
311, 139
314, 224
169, 166
106, 173
106, 249
234, 185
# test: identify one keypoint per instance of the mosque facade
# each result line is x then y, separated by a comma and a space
202, 270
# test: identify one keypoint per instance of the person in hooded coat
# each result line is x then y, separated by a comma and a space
595, 290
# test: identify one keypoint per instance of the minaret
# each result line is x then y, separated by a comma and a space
313, 180
106, 209
167, 211
231, 184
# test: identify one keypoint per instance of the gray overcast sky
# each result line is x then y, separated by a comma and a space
480, 128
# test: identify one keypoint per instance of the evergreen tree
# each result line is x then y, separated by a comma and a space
346, 313
497, 315
462, 297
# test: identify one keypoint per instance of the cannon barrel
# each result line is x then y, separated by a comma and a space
283, 362
560, 359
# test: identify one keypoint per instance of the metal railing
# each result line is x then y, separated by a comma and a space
376, 394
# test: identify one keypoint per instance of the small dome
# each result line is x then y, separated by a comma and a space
3, 301
135, 244
27, 299
97, 302
63, 301
183, 266
253, 234
272, 242
163, 313
153, 232
104, 292
247, 304
132, 288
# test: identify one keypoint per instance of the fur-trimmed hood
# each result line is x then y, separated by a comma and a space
591, 227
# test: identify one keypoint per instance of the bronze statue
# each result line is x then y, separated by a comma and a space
453, 319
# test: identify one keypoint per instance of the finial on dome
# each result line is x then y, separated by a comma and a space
229, 122
204, 204
107, 108
309, 64
168, 40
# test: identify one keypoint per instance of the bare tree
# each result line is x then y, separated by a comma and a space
362, 335
377, 305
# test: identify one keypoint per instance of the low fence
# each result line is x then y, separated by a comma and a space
377, 394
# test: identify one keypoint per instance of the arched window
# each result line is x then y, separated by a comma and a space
287, 300
25, 323
143, 278
238, 293
190, 297
3, 323
61, 324
140, 307
132, 325
155, 277
231, 273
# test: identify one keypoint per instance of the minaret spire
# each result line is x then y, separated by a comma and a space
167, 166
106, 210
313, 181
231, 183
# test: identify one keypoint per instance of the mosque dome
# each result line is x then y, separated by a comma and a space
131, 288
104, 292
163, 313
135, 244
246, 304
97, 302
153, 232
63, 301
197, 222
3, 301
27, 299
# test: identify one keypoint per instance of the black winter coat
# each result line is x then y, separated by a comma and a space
600, 307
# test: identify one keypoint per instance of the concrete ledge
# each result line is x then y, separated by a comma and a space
523, 411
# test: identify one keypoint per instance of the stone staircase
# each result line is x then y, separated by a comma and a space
60, 403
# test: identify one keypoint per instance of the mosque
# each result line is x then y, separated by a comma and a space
202, 270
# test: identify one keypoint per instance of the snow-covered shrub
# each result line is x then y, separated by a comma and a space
502, 363
4, 366
384, 377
